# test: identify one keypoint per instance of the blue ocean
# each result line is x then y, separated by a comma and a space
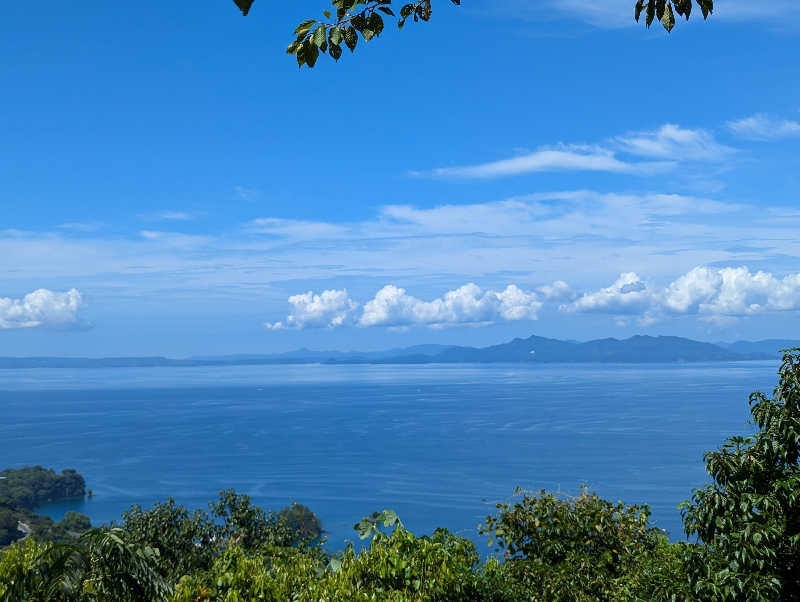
440, 444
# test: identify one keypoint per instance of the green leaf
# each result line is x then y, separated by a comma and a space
351, 38
335, 36
637, 11
304, 27
310, 53
668, 18
651, 13
319, 36
244, 6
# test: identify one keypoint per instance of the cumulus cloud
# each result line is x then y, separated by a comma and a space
331, 309
764, 127
393, 307
711, 293
468, 304
41, 308
557, 291
629, 294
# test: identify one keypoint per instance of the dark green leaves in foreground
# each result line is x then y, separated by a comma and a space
665, 10
347, 21
749, 516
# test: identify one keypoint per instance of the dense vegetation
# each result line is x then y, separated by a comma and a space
21, 490
33, 485
745, 525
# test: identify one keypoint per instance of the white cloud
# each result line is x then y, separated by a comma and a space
393, 307
81, 226
296, 229
732, 292
468, 304
671, 141
243, 193
714, 294
331, 309
582, 237
557, 291
174, 215
665, 148
41, 308
628, 295
571, 158
764, 127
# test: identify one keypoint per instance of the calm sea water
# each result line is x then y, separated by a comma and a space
439, 444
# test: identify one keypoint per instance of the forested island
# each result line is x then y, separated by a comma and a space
743, 529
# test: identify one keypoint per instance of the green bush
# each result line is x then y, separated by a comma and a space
749, 516
584, 548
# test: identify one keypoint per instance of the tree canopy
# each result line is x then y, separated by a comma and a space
349, 20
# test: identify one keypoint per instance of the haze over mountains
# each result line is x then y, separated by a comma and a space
534, 349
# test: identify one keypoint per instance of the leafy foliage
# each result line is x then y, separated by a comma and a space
364, 19
23, 489
102, 565
396, 566
192, 541
665, 10
581, 548
186, 540
749, 517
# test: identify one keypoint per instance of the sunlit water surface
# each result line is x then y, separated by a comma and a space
440, 444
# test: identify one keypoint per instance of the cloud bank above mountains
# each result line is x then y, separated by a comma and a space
41, 309
712, 294
619, 247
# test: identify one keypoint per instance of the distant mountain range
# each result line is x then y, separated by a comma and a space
635, 350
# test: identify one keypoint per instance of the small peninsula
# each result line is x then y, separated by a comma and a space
23, 489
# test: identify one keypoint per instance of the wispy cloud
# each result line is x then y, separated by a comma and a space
568, 158
181, 216
673, 142
80, 226
582, 237
637, 153
764, 127
41, 309
243, 193
295, 229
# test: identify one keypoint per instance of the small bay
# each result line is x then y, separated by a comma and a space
440, 444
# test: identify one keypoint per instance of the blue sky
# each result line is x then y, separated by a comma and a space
172, 184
